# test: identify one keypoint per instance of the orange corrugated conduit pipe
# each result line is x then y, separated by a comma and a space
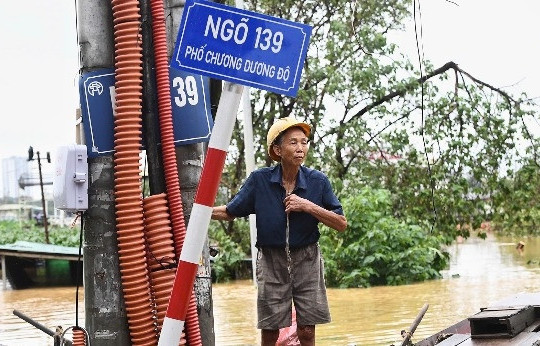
79, 337
127, 179
160, 257
166, 124
169, 155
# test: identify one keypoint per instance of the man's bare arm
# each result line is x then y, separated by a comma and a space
220, 213
327, 217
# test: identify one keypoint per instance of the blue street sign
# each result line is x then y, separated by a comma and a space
190, 99
241, 46
96, 90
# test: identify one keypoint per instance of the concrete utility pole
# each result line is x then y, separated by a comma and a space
190, 159
105, 315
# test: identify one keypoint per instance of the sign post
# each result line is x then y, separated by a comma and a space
240, 47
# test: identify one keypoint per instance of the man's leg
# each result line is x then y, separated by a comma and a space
310, 299
269, 337
274, 294
306, 335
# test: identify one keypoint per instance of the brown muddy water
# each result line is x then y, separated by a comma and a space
480, 273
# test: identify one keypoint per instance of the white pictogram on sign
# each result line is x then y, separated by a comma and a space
95, 87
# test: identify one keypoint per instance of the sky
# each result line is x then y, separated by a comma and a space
494, 40
39, 60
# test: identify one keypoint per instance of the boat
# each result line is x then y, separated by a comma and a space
512, 321
28, 264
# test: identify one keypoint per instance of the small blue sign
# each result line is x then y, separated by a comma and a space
241, 46
190, 99
96, 90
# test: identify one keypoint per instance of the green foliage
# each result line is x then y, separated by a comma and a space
518, 199
446, 149
379, 249
231, 253
12, 231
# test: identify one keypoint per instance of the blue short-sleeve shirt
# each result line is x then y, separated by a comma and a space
263, 194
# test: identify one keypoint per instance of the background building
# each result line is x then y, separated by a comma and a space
14, 199
12, 168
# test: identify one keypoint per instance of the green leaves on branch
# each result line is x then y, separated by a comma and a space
12, 231
447, 148
518, 202
379, 249
232, 250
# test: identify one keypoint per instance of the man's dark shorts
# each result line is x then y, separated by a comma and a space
305, 286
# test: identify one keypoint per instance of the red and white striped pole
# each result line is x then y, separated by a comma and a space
201, 213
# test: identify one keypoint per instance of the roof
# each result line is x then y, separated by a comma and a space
39, 250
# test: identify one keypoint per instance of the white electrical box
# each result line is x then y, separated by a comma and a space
70, 185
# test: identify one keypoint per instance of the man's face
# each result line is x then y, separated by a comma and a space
293, 148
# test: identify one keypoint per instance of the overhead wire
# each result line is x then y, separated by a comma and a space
77, 36
421, 59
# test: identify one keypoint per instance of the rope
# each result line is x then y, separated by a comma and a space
287, 249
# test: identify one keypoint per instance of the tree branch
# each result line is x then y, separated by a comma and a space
448, 66
403, 91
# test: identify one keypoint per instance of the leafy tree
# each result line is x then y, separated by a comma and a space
438, 139
378, 248
518, 202
231, 251
12, 231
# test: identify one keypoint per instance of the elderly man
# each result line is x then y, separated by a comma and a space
289, 201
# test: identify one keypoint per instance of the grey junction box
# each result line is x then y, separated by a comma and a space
70, 184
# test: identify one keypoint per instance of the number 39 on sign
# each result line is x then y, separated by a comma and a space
185, 89
192, 118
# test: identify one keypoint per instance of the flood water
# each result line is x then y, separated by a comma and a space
481, 273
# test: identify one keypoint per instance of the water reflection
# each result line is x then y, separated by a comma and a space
481, 273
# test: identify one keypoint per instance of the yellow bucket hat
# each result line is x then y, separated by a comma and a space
279, 127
